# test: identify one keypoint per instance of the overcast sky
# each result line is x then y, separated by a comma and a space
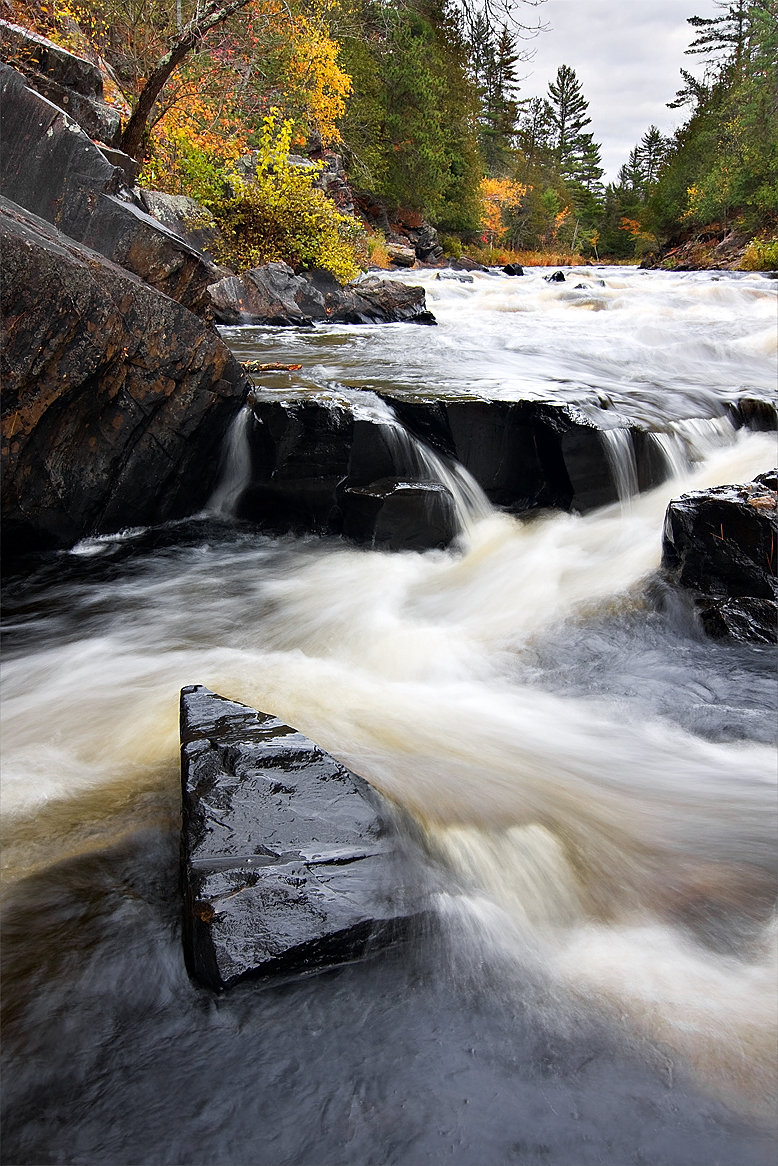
628, 55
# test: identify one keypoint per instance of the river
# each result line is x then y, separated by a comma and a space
594, 779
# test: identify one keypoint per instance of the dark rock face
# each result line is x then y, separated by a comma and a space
287, 860
316, 465
139, 243
721, 545
523, 454
273, 294
392, 514
513, 269
70, 82
555, 277
49, 166
116, 398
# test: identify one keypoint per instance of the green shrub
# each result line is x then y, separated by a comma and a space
760, 255
280, 215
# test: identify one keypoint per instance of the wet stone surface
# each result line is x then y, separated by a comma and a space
288, 859
720, 544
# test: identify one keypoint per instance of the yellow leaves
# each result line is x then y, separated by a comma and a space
498, 194
314, 72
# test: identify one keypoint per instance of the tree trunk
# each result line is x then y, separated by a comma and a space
132, 136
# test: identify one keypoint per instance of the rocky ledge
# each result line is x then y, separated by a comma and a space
720, 545
289, 861
115, 397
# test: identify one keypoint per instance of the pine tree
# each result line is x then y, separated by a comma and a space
567, 112
577, 154
651, 152
724, 37
631, 176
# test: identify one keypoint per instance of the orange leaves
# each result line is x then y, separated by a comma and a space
498, 194
632, 226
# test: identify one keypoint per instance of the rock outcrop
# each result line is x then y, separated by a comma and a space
288, 860
329, 465
115, 397
720, 545
50, 167
273, 294
68, 81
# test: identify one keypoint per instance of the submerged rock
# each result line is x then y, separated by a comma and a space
720, 544
115, 397
288, 860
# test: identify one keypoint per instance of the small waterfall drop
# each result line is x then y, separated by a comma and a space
236, 473
688, 442
419, 461
621, 459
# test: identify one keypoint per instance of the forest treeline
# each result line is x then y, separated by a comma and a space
422, 99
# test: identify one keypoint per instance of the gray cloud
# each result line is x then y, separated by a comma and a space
627, 54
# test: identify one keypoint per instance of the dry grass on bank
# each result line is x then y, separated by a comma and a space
499, 256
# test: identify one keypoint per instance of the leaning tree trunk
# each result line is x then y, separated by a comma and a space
215, 13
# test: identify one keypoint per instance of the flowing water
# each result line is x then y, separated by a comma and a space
593, 780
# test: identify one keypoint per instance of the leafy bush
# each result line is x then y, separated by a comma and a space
760, 255
280, 215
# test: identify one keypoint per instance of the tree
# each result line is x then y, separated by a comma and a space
722, 37
651, 152
567, 113
213, 14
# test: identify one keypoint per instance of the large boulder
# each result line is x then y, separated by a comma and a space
264, 295
720, 545
49, 166
116, 398
288, 859
136, 241
184, 217
65, 79
392, 514
273, 294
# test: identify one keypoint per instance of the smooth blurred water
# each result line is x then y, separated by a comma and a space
594, 779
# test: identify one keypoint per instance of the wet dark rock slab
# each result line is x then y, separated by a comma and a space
273, 294
288, 860
115, 397
319, 465
720, 544
392, 514
523, 454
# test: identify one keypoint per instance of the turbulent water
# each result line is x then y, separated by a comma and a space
593, 779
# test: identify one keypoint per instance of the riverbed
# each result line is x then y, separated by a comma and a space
591, 777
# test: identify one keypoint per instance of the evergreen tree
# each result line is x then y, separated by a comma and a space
722, 37
500, 110
651, 152
631, 177
577, 154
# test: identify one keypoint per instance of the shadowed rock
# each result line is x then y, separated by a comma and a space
288, 861
392, 514
115, 397
721, 545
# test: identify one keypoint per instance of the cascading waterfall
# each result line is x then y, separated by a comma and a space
236, 472
591, 780
621, 459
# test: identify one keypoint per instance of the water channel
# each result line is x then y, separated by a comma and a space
593, 778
